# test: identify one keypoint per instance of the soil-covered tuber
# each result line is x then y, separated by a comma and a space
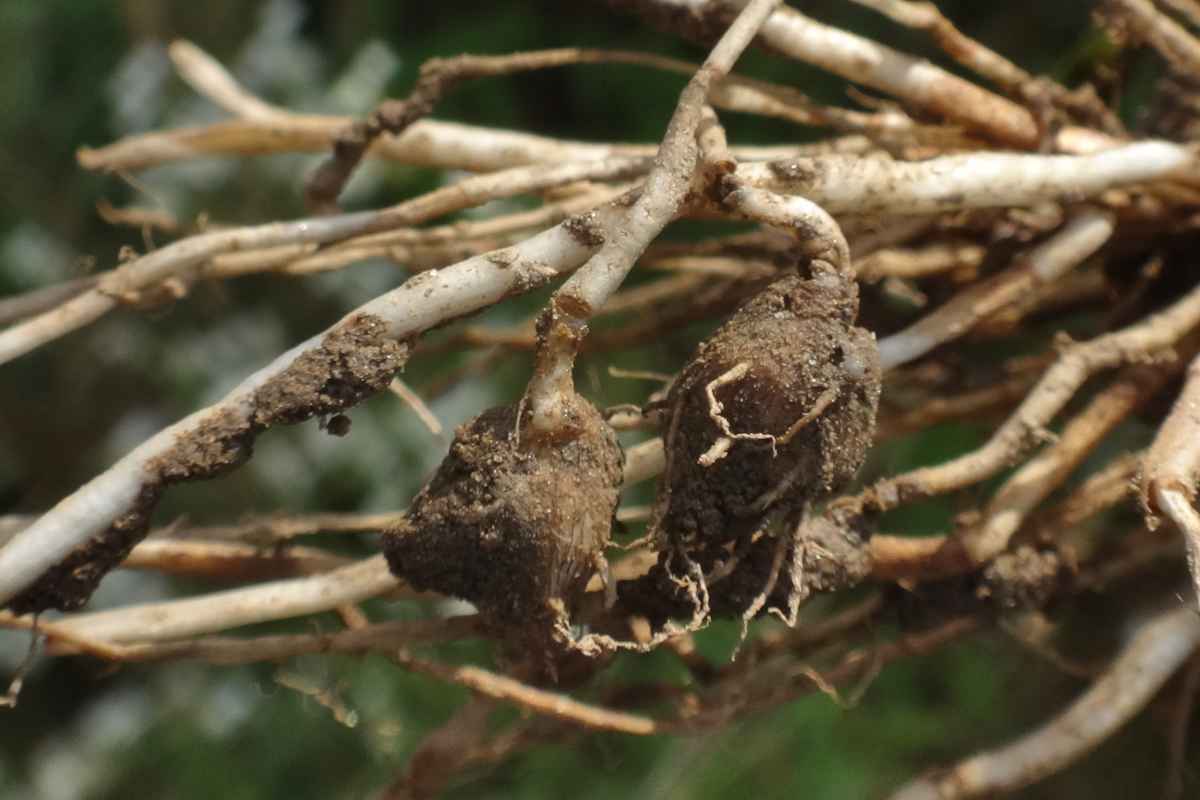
514, 523
776, 410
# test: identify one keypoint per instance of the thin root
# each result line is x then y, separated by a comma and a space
721, 446
760, 600
596, 644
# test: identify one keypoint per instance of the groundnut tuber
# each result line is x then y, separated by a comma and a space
514, 523
776, 410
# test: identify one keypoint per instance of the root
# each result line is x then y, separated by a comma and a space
799, 590
606, 581
693, 584
823, 402
721, 446
724, 569
760, 600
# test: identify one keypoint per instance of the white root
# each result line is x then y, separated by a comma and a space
175, 259
662, 197
276, 600
1176, 505
1150, 658
1075, 243
863, 61
721, 446
1172, 466
175, 619
878, 185
644, 461
819, 234
189, 257
424, 301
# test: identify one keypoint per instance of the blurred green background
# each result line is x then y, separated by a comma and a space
84, 72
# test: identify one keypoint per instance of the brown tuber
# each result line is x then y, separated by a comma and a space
514, 522
776, 410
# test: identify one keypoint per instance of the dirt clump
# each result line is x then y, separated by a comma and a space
513, 523
68, 584
352, 362
1025, 578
